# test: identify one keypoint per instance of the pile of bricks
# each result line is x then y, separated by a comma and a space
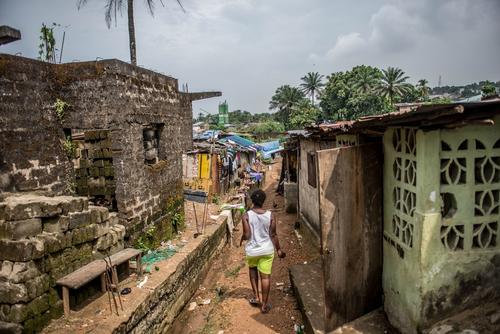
94, 171
43, 239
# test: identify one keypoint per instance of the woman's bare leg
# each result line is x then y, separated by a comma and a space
265, 282
254, 281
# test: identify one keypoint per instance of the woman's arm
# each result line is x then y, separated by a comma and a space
246, 228
274, 237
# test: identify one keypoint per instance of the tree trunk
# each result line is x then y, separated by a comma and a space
312, 97
131, 32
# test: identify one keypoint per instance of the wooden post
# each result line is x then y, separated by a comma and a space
138, 261
114, 274
103, 283
65, 292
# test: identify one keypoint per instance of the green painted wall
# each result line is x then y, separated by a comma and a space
441, 222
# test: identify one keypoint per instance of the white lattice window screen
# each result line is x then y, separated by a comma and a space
346, 140
404, 174
470, 189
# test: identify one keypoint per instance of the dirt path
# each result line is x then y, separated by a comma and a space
228, 287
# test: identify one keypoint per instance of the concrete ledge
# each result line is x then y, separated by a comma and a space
374, 322
307, 282
153, 308
308, 232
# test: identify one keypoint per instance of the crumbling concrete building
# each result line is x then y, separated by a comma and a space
105, 131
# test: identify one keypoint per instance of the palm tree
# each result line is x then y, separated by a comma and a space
284, 99
114, 6
312, 84
393, 84
423, 89
366, 79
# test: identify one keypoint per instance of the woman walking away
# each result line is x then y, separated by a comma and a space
259, 229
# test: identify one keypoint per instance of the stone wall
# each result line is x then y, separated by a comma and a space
308, 195
158, 311
32, 156
125, 101
43, 239
95, 175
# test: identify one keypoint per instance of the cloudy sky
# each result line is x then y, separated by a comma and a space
247, 48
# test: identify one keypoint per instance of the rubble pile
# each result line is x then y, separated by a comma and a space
43, 239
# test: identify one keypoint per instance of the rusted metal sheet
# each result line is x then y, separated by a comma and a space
350, 189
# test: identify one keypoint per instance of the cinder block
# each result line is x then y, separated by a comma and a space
79, 219
20, 229
11, 293
21, 250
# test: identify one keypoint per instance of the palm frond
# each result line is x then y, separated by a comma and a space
81, 3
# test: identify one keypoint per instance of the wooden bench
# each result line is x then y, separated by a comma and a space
97, 268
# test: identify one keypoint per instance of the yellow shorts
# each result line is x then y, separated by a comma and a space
264, 263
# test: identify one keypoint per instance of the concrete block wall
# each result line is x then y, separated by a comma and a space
107, 95
94, 165
43, 239
32, 157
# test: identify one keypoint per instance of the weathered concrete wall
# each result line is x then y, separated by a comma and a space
444, 255
105, 95
156, 311
43, 239
32, 156
350, 182
291, 197
308, 195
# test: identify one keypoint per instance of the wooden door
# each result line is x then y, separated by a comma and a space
350, 195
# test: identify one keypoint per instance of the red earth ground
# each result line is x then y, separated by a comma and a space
228, 287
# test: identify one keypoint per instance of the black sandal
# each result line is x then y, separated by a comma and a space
254, 302
266, 308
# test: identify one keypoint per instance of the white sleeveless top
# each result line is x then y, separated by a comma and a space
260, 241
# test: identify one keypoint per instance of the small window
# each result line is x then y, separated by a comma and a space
311, 169
151, 137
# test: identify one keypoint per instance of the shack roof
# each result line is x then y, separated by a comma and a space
429, 116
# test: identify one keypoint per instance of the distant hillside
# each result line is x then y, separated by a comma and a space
462, 91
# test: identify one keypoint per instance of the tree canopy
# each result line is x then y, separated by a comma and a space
311, 84
283, 100
392, 84
349, 95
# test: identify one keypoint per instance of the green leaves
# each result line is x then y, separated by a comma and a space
352, 94
311, 84
284, 99
393, 84
304, 114
47, 46
60, 107
488, 89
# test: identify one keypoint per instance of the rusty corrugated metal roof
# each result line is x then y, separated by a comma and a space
425, 115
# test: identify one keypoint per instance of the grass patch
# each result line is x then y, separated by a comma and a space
235, 271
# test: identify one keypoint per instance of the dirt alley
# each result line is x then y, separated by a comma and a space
228, 287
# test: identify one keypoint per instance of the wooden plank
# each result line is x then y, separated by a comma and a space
350, 181
94, 269
124, 255
65, 291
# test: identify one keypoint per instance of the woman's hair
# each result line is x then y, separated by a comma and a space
258, 198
